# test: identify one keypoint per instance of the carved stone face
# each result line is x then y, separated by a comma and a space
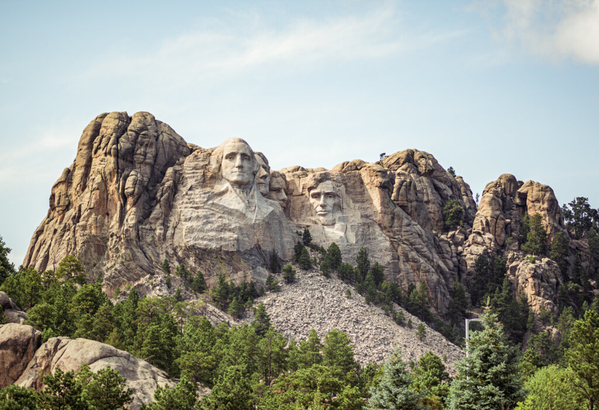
238, 164
324, 200
263, 176
277, 190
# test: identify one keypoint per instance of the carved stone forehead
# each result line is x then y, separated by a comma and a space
326, 186
237, 146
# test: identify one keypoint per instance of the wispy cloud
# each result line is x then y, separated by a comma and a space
555, 29
237, 47
29, 163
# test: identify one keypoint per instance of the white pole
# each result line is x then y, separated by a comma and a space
468, 332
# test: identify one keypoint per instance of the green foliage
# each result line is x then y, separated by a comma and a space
220, 294
513, 313
288, 273
334, 256
6, 267
180, 397
395, 388
583, 357
166, 266
451, 171
338, 354
579, 217
275, 262
272, 284
261, 321
536, 239
417, 303
559, 252
182, 272
14, 397
453, 214
231, 391
421, 331
325, 267
71, 268
362, 265
552, 388
346, 272
198, 284
490, 272
104, 390
489, 378
458, 303
307, 237
304, 259
431, 379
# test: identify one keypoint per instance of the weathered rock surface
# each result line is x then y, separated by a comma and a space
540, 281
137, 193
68, 354
316, 302
504, 203
18, 344
11, 311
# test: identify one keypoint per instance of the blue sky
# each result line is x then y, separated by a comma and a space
488, 87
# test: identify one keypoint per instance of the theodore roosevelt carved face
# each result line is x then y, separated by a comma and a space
325, 202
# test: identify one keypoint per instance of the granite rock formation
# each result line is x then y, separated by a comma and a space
137, 194
24, 361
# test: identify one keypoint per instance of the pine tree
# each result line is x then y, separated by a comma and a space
236, 308
337, 352
199, 283
310, 350
583, 357
275, 262
220, 294
362, 264
394, 390
180, 397
559, 252
166, 266
421, 331
489, 379
377, 273
536, 240
261, 321
334, 257
304, 260
289, 273
272, 284
307, 237
232, 391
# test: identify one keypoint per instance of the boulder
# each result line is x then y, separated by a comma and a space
18, 344
67, 354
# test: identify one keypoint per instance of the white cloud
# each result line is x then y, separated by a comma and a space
555, 29
239, 46
29, 163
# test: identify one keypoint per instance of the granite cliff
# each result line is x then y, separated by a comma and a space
137, 194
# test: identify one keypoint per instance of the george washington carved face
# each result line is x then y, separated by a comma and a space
237, 164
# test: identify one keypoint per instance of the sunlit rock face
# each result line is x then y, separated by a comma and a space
137, 194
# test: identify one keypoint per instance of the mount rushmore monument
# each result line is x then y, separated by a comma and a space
137, 193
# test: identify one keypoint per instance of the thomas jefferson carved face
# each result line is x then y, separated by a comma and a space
263, 176
324, 200
277, 189
238, 163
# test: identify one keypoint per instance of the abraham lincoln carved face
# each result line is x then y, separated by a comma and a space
325, 202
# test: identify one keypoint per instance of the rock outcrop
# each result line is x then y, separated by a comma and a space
12, 313
137, 194
18, 344
25, 363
